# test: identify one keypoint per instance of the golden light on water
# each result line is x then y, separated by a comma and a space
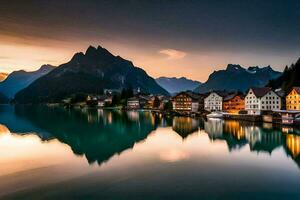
293, 144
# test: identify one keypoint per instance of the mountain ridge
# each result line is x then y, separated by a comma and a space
17, 80
90, 72
237, 78
288, 79
175, 85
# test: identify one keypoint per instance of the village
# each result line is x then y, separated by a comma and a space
257, 105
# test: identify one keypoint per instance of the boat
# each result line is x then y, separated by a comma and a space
215, 115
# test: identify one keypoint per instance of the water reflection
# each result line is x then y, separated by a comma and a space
143, 156
97, 134
100, 134
265, 138
185, 126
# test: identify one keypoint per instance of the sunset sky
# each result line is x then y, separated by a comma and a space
166, 38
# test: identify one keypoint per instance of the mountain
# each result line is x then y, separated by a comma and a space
91, 72
235, 77
18, 80
175, 85
288, 79
3, 76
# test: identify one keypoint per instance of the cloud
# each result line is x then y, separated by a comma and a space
173, 54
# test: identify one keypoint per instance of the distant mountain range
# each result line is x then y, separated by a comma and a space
3, 76
235, 77
175, 85
91, 72
18, 80
288, 79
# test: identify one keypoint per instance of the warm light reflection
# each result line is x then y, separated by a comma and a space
3, 130
234, 128
293, 144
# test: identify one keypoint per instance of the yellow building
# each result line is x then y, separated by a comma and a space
293, 99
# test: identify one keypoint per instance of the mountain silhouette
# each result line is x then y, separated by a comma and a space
237, 78
19, 80
90, 72
175, 85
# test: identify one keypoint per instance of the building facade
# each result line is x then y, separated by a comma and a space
186, 102
293, 99
261, 99
234, 103
133, 103
213, 102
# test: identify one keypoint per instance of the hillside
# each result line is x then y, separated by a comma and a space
237, 78
175, 85
90, 72
18, 80
288, 79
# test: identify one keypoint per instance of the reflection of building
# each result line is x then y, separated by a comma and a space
293, 147
229, 131
233, 103
293, 144
293, 99
184, 126
214, 128
259, 99
234, 128
265, 140
186, 102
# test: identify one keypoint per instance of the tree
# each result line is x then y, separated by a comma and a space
168, 106
156, 102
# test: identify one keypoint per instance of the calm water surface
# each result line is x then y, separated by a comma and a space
54, 153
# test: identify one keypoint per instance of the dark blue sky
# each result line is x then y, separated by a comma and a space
197, 35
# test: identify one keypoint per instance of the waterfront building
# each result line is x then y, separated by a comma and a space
234, 103
262, 99
104, 100
293, 99
186, 102
214, 101
133, 103
289, 117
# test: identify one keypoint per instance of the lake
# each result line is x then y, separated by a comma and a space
56, 153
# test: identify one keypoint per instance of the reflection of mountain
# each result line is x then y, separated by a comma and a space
184, 126
20, 125
97, 134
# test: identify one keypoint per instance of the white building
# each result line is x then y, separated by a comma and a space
213, 102
259, 99
133, 103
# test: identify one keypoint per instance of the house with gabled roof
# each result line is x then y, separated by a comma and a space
261, 99
293, 99
214, 101
234, 103
186, 102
